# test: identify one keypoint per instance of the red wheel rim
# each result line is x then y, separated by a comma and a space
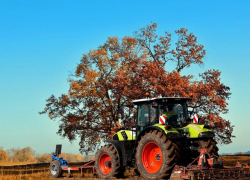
152, 157
105, 158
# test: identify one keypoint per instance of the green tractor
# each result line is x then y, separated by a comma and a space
164, 136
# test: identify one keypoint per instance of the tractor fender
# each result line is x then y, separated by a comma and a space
169, 135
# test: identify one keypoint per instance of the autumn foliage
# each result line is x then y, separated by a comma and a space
108, 78
27, 154
3, 155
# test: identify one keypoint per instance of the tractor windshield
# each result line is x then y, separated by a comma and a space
175, 114
150, 113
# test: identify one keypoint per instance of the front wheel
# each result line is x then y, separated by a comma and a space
107, 162
55, 170
156, 156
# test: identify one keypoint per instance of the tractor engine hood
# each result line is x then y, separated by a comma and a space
198, 131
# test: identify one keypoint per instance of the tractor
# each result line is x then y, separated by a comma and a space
164, 136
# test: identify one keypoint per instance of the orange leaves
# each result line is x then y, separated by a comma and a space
129, 41
75, 85
183, 52
51, 115
98, 53
91, 74
79, 69
113, 40
182, 31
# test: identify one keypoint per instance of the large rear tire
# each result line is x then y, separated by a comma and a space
210, 145
189, 155
107, 162
156, 156
55, 170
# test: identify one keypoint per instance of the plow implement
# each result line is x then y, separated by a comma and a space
209, 168
202, 174
87, 166
219, 174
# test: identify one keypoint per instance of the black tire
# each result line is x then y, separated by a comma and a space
107, 163
137, 173
55, 170
189, 156
156, 156
210, 145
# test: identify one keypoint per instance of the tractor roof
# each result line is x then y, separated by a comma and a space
163, 99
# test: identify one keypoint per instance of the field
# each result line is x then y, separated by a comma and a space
231, 160
27, 171
46, 176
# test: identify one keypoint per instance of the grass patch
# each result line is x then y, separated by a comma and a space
231, 161
14, 163
40, 176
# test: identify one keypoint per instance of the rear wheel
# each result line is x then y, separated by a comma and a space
189, 155
55, 170
107, 163
210, 145
156, 156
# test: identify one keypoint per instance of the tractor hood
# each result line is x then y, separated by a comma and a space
198, 131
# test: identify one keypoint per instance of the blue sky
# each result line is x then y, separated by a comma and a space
42, 41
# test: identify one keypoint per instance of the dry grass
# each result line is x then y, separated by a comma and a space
40, 176
14, 163
46, 176
230, 161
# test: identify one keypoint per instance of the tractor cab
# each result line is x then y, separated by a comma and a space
164, 111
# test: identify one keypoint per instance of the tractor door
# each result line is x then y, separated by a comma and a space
142, 117
147, 116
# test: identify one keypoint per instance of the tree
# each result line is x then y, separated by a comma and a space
79, 158
110, 77
3, 155
12, 154
240, 153
26, 154
43, 158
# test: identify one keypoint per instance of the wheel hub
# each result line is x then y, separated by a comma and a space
158, 157
53, 170
105, 163
152, 157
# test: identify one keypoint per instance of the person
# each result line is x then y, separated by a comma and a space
152, 115
169, 111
